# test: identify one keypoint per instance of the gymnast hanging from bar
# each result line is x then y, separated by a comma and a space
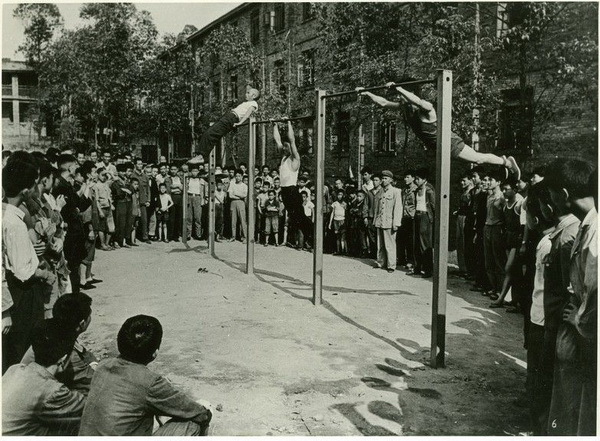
422, 119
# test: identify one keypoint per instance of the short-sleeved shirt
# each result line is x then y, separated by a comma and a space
308, 208
244, 107
537, 300
339, 210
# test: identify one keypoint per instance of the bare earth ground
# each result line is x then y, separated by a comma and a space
275, 364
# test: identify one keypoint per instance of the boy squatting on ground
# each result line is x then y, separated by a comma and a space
229, 121
422, 119
125, 396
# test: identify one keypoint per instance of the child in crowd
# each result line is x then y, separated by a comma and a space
494, 245
362, 213
262, 195
282, 220
162, 214
125, 396
354, 221
103, 197
220, 196
306, 222
271, 214
121, 195
337, 222
134, 183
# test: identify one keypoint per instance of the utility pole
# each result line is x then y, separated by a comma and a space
192, 122
476, 73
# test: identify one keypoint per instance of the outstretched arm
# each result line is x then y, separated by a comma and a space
295, 154
414, 99
379, 100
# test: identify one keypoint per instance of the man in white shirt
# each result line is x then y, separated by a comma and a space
197, 194
238, 192
26, 282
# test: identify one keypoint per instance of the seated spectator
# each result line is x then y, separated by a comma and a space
34, 402
73, 313
125, 395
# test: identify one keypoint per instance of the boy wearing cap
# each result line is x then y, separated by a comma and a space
387, 219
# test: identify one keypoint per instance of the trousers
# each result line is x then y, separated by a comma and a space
238, 214
495, 255
194, 214
386, 248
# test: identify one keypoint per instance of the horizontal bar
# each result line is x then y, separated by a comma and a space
296, 118
368, 89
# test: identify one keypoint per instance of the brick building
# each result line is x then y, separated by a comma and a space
286, 36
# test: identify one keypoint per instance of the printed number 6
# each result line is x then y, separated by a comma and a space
554, 424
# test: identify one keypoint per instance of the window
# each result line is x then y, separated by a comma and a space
216, 91
386, 136
7, 111
342, 132
501, 20
306, 69
516, 120
279, 24
278, 85
232, 90
255, 27
308, 11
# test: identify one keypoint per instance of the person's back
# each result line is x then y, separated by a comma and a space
34, 402
125, 395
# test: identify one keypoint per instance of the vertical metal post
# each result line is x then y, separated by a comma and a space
184, 209
318, 228
251, 202
212, 187
442, 219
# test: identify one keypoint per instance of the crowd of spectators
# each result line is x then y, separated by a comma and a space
534, 237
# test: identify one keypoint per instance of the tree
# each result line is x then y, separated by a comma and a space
41, 20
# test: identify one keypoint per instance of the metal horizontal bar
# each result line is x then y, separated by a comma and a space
296, 118
369, 89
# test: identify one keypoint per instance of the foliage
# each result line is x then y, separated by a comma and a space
40, 20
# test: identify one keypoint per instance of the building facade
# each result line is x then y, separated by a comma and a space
19, 92
286, 38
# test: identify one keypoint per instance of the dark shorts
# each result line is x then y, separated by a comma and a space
512, 240
90, 247
339, 226
271, 224
457, 145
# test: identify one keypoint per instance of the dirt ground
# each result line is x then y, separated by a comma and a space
272, 363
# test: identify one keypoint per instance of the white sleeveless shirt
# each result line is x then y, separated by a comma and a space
287, 176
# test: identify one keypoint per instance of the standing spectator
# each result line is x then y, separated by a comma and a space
238, 192
463, 209
175, 189
94, 157
479, 207
110, 168
103, 197
372, 231
220, 199
90, 218
362, 223
76, 202
387, 220
262, 196
406, 233
121, 195
493, 234
134, 186
197, 194
513, 235
424, 218
574, 183
152, 173
539, 377
26, 282
144, 195
162, 214
307, 222
80, 158
337, 222
272, 218
265, 176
